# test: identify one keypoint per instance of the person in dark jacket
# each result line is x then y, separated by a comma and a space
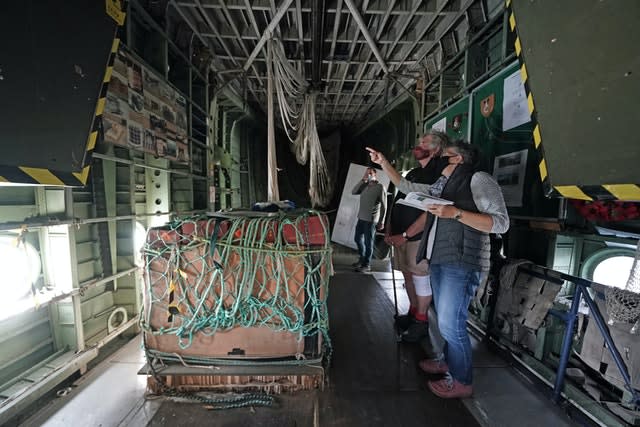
456, 243
403, 232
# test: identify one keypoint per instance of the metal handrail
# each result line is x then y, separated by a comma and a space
570, 318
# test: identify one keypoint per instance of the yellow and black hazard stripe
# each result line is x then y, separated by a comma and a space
83, 175
173, 309
43, 176
31, 175
581, 192
116, 10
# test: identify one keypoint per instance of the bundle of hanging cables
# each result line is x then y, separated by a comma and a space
290, 86
308, 141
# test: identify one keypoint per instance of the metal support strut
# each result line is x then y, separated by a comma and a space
570, 320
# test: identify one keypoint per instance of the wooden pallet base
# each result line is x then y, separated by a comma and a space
271, 384
268, 379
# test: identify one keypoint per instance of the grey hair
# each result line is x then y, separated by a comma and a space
439, 138
470, 153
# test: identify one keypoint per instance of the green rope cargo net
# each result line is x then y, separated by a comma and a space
209, 275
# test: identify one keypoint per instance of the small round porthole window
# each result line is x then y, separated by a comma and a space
610, 267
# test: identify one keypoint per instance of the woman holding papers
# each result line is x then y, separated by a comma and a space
456, 243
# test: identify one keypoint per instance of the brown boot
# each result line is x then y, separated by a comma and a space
448, 388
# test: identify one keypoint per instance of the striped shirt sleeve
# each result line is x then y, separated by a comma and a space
405, 186
488, 198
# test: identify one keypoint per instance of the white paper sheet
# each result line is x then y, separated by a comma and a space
515, 110
440, 125
422, 200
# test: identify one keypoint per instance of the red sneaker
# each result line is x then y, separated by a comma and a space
433, 366
448, 388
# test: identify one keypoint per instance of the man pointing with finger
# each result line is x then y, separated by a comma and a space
404, 231
456, 243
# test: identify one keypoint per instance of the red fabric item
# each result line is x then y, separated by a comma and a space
607, 210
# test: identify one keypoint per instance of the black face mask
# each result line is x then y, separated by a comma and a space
448, 156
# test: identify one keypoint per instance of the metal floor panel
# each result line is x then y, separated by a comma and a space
503, 397
105, 396
372, 381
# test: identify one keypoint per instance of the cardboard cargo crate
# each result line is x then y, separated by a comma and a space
240, 288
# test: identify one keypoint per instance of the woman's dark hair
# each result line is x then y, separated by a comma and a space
470, 153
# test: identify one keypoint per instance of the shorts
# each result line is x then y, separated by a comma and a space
404, 259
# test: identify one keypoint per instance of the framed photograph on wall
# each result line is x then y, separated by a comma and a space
115, 129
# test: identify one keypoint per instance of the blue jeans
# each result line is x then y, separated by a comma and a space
453, 288
365, 232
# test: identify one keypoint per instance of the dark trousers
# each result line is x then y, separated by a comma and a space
365, 232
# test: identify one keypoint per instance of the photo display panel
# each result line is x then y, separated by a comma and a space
144, 112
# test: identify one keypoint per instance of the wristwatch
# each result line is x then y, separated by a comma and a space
404, 234
458, 215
